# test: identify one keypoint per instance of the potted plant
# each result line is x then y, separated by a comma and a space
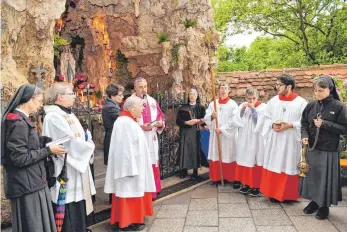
164, 40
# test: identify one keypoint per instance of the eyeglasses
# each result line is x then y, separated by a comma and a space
279, 84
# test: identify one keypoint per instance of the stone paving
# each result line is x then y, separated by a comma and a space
223, 209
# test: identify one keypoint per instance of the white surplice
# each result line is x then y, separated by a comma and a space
129, 171
79, 154
250, 143
228, 138
283, 150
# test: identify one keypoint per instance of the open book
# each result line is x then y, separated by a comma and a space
59, 141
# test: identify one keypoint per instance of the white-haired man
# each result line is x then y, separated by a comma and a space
129, 175
59, 122
152, 122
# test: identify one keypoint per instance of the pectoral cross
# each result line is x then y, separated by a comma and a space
38, 71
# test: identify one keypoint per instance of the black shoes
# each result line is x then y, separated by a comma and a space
273, 200
323, 213
254, 192
183, 173
311, 208
236, 185
245, 190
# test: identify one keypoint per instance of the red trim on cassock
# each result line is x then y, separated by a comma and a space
291, 97
127, 211
223, 101
257, 104
279, 186
12, 116
128, 114
228, 171
249, 176
156, 174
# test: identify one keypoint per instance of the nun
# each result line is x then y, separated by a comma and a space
190, 119
322, 123
22, 156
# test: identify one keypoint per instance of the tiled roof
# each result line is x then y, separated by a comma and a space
265, 81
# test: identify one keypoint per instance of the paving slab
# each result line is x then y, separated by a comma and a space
276, 229
231, 198
181, 199
228, 188
338, 217
200, 229
261, 203
311, 224
270, 217
203, 204
202, 218
205, 192
172, 211
172, 225
234, 210
296, 209
236, 225
149, 220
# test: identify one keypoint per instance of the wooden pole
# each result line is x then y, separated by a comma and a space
215, 109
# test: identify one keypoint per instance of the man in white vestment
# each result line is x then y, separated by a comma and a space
250, 146
59, 122
280, 179
129, 175
227, 133
153, 123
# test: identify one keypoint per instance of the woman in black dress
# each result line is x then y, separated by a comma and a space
322, 123
23, 158
190, 120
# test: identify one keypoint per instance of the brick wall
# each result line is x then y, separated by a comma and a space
265, 81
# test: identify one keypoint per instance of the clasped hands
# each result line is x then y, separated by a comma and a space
281, 127
193, 122
148, 127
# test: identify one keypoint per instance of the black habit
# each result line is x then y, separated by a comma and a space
190, 154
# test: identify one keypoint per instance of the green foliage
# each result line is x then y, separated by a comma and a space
190, 23
316, 28
98, 95
163, 37
264, 53
174, 53
58, 41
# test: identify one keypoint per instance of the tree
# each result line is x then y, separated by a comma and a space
316, 27
264, 53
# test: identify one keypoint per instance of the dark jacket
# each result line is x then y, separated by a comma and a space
110, 112
25, 169
334, 116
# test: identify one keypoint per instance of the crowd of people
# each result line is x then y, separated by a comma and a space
255, 146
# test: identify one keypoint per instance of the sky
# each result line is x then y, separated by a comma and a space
240, 40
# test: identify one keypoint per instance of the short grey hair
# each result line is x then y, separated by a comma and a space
57, 89
138, 80
251, 92
131, 102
